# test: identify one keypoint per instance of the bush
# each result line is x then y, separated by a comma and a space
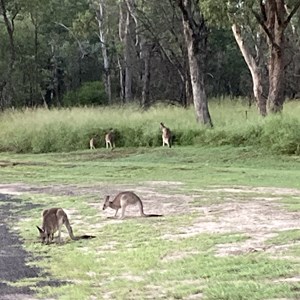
281, 135
90, 93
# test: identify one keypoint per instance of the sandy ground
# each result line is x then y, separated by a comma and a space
259, 215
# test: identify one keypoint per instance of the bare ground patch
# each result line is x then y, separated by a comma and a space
258, 217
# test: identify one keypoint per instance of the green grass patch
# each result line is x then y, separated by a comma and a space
153, 258
292, 203
132, 259
285, 237
195, 167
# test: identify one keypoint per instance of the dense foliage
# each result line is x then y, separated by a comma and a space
57, 49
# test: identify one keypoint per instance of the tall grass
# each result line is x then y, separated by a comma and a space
63, 130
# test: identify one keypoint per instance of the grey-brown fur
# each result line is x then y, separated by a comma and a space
52, 221
122, 200
166, 135
110, 139
92, 144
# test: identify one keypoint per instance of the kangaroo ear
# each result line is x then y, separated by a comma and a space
40, 230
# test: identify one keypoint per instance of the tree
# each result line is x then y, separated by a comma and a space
248, 20
100, 9
274, 19
145, 47
125, 21
195, 32
9, 18
255, 68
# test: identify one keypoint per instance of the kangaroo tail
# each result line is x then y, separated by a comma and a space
152, 216
85, 237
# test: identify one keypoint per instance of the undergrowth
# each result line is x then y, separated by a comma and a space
64, 130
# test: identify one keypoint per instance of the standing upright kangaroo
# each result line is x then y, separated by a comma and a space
166, 135
122, 200
53, 220
110, 139
92, 143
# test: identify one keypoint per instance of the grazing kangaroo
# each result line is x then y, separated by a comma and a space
122, 200
53, 220
92, 144
110, 139
166, 135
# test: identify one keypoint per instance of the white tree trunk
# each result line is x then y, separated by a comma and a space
124, 33
254, 70
100, 17
144, 53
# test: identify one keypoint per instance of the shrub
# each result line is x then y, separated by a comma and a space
90, 93
281, 135
62, 130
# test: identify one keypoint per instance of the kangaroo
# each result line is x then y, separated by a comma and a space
110, 139
166, 135
122, 200
53, 220
92, 144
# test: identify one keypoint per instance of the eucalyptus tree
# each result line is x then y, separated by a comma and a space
158, 56
99, 8
9, 10
125, 64
274, 19
196, 32
270, 17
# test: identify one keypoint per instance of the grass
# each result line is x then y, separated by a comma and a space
196, 167
139, 259
154, 258
135, 259
64, 130
285, 237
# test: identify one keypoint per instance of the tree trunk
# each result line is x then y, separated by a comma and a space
276, 79
275, 26
6, 87
255, 71
100, 16
124, 34
146, 57
127, 59
273, 19
144, 53
122, 80
195, 33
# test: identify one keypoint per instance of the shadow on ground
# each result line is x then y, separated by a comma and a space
13, 258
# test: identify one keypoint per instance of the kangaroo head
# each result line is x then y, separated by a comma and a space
42, 234
106, 203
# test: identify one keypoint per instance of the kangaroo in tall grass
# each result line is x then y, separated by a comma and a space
92, 144
110, 139
166, 135
122, 200
52, 221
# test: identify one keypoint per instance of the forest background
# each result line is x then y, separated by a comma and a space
57, 54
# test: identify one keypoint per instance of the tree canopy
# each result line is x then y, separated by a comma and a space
137, 51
